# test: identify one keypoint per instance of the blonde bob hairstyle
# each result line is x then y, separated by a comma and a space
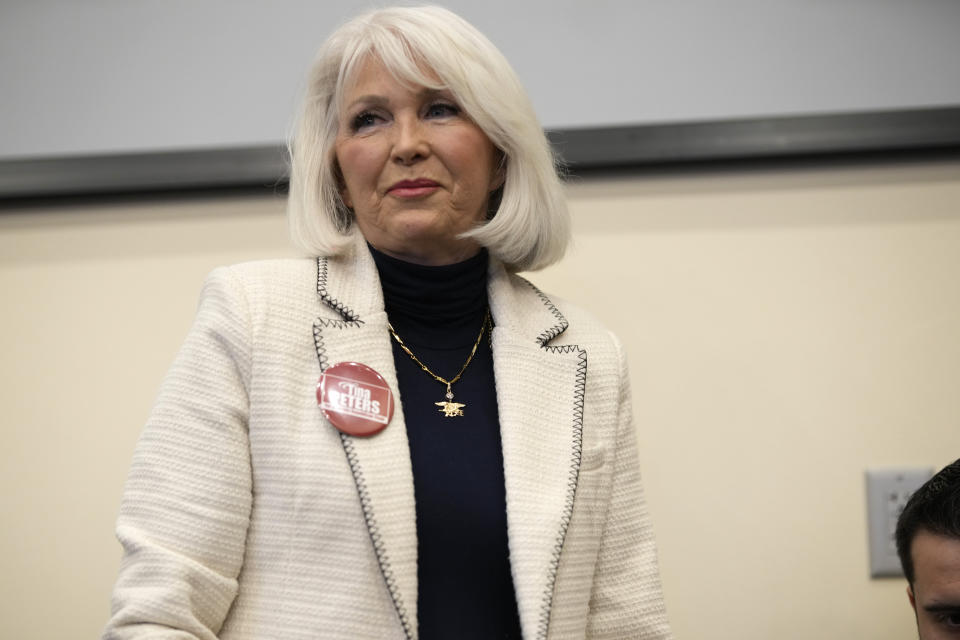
528, 226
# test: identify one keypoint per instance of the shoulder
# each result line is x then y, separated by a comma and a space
261, 292
262, 281
568, 323
259, 273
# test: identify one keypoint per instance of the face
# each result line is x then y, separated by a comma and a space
935, 594
415, 169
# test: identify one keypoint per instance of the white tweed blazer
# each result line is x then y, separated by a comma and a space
246, 515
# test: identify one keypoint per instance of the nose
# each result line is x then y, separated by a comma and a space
411, 144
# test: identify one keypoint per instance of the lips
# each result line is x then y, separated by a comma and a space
413, 188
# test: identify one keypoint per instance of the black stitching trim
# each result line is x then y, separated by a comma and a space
555, 330
345, 311
576, 455
572, 479
318, 338
375, 536
352, 320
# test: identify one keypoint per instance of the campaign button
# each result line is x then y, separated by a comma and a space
355, 398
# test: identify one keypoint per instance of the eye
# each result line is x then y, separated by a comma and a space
442, 110
950, 620
363, 120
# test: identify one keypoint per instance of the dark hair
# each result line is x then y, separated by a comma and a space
934, 507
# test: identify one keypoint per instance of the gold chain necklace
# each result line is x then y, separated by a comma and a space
450, 408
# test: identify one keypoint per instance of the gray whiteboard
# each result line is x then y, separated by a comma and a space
93, 78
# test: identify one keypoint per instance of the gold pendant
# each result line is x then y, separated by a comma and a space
451, 409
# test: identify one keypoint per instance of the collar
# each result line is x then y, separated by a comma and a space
349, 286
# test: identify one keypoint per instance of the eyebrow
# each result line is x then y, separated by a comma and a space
378, 100
941, 608
369, 99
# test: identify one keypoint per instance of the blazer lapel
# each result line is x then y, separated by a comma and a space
354, 328
540, 391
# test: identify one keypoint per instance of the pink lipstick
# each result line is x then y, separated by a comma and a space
413, 188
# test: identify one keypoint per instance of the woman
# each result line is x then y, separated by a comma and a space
502, 499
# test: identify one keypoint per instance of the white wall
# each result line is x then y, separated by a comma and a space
112, 75
787, 329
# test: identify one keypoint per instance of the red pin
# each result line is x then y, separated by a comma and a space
355, 398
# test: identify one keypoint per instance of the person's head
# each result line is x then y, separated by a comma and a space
379, 98
928, 543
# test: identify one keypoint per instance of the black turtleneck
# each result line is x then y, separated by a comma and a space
465, 589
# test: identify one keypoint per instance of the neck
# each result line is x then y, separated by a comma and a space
420, 298
449, 253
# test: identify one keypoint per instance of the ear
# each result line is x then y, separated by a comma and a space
913, 600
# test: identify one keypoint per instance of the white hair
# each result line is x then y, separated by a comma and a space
528, 226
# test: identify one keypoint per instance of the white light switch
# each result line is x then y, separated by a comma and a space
887, 493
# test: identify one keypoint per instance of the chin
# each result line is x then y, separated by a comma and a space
418, 226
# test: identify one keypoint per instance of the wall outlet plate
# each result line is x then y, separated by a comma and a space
887, 493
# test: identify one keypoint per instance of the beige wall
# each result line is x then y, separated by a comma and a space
787, 329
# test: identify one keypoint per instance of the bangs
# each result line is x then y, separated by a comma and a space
411, 65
